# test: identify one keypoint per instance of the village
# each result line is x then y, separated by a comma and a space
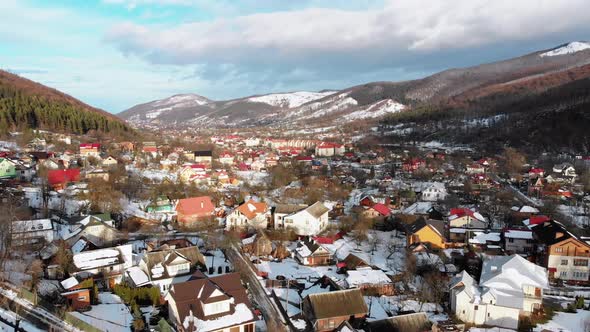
247, 231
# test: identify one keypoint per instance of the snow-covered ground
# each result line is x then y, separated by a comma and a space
110, 315
376, 110
290, 100
253, 177
567, 322
570, 48
153, 174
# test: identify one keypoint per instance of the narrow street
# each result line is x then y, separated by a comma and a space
274, 319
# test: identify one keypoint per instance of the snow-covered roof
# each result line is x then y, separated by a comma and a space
483, 237
518, 234
104, 257
23, 226
138, 276
362, 276
69, 283
507, 275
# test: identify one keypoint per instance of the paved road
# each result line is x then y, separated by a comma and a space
274, 319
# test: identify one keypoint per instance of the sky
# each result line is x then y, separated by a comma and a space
114, 54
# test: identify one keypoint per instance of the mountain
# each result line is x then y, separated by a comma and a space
27, 104
373, 101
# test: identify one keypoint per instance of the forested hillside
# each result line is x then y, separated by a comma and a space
26, 104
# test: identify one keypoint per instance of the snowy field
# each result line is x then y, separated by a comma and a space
567, 322
110, 315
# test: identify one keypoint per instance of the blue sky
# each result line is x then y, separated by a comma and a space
116, 53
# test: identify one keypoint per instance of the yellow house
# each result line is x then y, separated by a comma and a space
427, 231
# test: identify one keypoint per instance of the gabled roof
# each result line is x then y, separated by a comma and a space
289, 208
350, 302
59, 176
416, 322
551, 232
251, 209
512, 273
200, 206
317, 209
167, 256
190, 295
437, 225
382, 209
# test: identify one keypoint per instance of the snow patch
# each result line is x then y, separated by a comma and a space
570, 48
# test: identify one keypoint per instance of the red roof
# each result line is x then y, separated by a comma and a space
196, 206
382, 209
150, 149
323, 240
59, 176
461, 212
537, 170
535, 220
90, 146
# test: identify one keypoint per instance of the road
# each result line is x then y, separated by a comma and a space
274, 319
36, 315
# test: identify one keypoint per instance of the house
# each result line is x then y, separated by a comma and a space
60, 178
416, 322
326, 149
565, 169
167, 266
97, 229
190, 210
226, 158
370, 281
429, 231
309, 221
108, 264
7, 169
250, 214
210, 304
252, 141
376, 212
475, 168
97, 173
436, 191
423, 209
466, 218
352, 262
162, 204
510, 286
109, 161
321, 309
535, 173
309, 252
203, 156
565, 255
32, 231
413, 164
518, 241
90, 150
280, 211
78, 299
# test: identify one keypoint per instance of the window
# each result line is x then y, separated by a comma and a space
81, 298
580, 262
558, 249
511, 240
475, 308
563, 274
249, 328
331, 324
564, 262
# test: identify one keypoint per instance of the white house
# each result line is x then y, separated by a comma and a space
466, 218
436, 191
326, 149
305, 222
250, 214
509, 286
252, 141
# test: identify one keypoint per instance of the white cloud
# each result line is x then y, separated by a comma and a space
404, 27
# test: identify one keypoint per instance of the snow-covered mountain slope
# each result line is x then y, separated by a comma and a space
370, 101
290, 100
376, 110
570, 48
